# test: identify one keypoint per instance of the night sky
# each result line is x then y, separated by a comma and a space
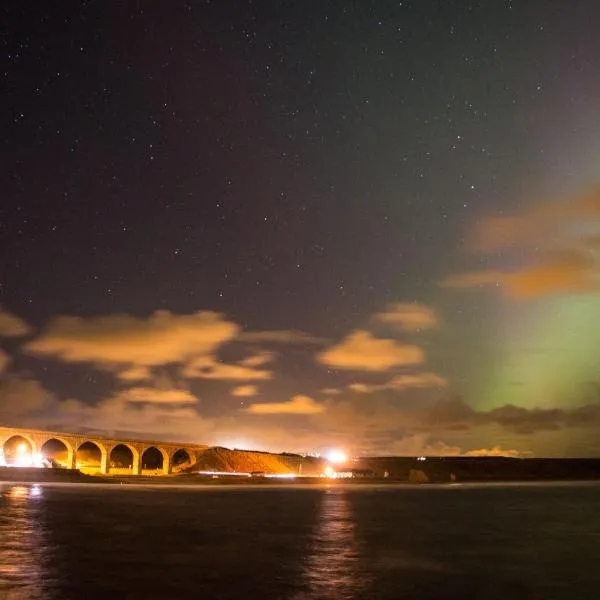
296, 225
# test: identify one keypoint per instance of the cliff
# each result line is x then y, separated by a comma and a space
247, 461
480, 469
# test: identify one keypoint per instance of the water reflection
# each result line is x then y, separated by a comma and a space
332, 569
21, 543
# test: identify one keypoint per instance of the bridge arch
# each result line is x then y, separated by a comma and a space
124, 458
58, 450
91, 456
19, 449
155, 458
182, 457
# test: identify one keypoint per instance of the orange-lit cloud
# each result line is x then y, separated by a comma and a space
286, 336
207, 367
403, 382
331, 391
407, 316
12, 326
546, 223
363, 352
560, 271
558, 241
160, 339
244, 391
135, 373
497, 451
154, 395
258, 360
421, 444
298, 405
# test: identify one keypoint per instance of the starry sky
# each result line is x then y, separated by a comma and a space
299, 225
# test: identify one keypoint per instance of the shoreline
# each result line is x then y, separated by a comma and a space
63, 477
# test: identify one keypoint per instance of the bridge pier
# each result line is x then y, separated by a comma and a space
71, 459
104, 463
136, 468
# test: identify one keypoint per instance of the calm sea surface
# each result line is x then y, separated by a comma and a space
505, 542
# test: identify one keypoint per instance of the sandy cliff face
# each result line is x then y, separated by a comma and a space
247, 461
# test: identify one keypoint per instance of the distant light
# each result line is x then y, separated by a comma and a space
337, 456
422, 458
217, 473
22, 449
280, 476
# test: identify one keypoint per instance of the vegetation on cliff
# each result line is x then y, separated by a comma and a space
248, 461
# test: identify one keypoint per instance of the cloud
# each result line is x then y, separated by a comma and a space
258, 360
417, 380
474, 279
22, 396
559, 241
298, 405
287, 336
455, 414
402, 382
12, 326
135, 373
363, 352
4, 361
426, 445
497, 451
363, 388
160, 339
559, 271
523, 420
207, 367
409, 317
420, 444
244, 391
546, 222
151, 395
119, 416
331, 391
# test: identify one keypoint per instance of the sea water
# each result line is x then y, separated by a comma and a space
64, 542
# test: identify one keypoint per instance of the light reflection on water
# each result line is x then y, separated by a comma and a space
21, 543
332, 569
334, 543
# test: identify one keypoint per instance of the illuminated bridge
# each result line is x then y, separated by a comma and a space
93, 453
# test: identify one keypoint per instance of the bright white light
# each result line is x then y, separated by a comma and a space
233, 473
22, 449
337, 456
329, 471
422, 458
23, 461
280, 475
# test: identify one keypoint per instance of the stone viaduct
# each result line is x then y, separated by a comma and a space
105, 445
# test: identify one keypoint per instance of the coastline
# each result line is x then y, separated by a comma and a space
33, 476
